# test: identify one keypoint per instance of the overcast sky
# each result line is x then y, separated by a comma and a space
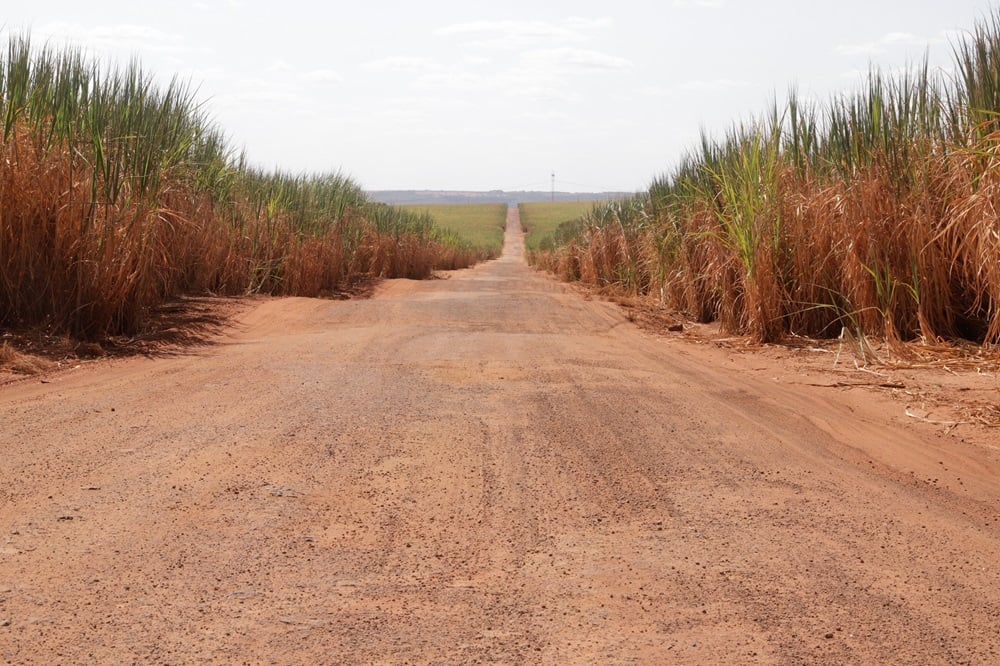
497, 95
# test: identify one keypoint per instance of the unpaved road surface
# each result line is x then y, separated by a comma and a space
487, 468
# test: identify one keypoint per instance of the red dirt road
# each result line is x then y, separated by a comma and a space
487, 468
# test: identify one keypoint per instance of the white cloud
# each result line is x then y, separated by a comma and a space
577, 58
205, 6
714, 85
582, 23
209, 74
451, 79
278, 66
521, 29
402, 64
903, 39
214, 4
655, 91
123, 36
512, 35
323, 76
867, 48
700, 3
887, 41
260, 95
546, 116
542, 93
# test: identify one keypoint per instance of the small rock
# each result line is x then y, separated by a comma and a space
828, 635
65, 516
675, 328
4, 623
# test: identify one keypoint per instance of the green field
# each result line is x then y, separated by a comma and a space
480, 224
541, 219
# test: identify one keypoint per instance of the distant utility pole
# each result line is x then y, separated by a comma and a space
553, 186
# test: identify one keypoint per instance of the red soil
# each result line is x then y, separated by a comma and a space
491, 468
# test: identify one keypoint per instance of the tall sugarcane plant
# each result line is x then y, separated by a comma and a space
875, 212
118, 195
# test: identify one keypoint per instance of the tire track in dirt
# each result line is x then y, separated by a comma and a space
483, 468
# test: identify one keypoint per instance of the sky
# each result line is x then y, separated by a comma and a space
467, 95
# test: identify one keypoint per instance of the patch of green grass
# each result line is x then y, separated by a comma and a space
540, 219
479, 224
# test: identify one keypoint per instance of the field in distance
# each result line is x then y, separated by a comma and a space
542, 218
481, 224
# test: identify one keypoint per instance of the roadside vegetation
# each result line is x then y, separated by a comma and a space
480, 224
118, 196
541, 219
876, 214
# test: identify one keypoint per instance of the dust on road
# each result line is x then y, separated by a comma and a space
486, 468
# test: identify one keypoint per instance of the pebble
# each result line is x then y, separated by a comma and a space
4, 623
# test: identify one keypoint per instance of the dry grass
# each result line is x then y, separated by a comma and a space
13, 361
877, 217
117, 197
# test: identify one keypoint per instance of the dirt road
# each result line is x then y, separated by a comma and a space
487, 468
